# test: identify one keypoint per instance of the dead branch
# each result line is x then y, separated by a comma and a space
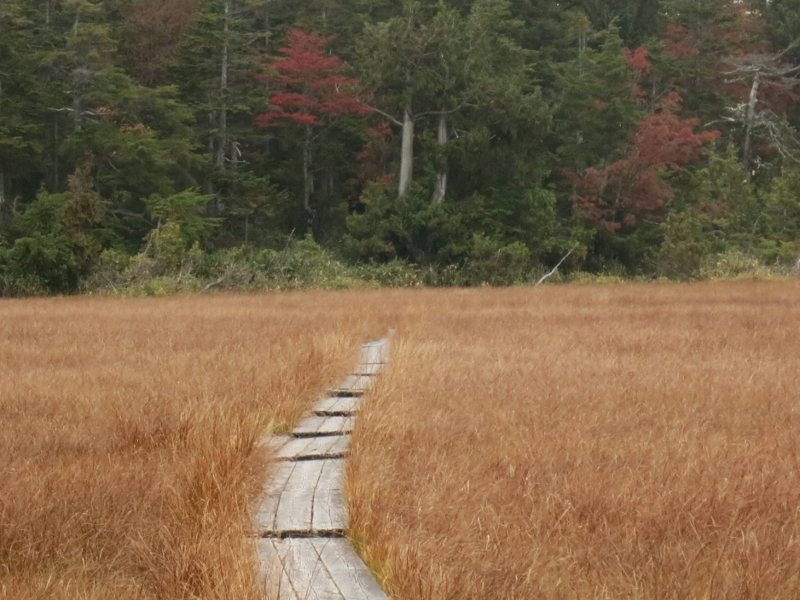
561, 262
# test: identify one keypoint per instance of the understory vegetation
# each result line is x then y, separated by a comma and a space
156, 146
627, 442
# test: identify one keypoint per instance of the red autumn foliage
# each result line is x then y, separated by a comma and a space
679, 43
313, 88
630, 188
373, 160
639, 59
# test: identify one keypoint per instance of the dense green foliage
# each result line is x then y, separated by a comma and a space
440, 142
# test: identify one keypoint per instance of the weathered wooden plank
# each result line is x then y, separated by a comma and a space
293, 448
347, 570
330, 510
304, 503
273, 442
372, 355
274, 578
337, 426
354, 385
306, 571
347, 405
295, 508
316, 426
314, 448
368, 369
341, 445
375, 352
265, 516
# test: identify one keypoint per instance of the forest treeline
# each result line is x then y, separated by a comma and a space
187, 144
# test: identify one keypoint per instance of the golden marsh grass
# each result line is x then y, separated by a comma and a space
625, 442
128, 435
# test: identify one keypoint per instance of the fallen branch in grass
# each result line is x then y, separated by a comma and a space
214, 283
553, 272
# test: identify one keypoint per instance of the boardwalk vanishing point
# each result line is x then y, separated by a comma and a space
303, 550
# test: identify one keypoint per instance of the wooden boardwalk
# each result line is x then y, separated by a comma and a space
302, 521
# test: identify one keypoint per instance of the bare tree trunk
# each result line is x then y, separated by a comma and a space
47, 12
751, 117
77, 111
406, 154
442, 138
307, 180
56, 162
223, 91
236, 153
208, 186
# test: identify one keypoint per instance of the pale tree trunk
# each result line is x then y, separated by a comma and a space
56, 161
223, 91
406, 154
77, 111
208, 187
47, 12
442, 138
308, 182
751, 117
80, 77
236, 153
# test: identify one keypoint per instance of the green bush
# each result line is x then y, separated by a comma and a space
20, 286
736, 264
685, 246
46, 259
494, 263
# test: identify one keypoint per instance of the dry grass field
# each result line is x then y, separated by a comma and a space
625, 442
128, 433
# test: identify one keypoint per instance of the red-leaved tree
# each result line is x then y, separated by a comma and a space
633, 187
312, 92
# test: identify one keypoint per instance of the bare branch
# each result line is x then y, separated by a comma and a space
384, 114
561, 262
213, 284
439, 113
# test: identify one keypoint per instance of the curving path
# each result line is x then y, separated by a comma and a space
302, 522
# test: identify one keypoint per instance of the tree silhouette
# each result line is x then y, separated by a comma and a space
313, 92
627, 189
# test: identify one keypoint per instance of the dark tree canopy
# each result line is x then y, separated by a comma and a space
174, 139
